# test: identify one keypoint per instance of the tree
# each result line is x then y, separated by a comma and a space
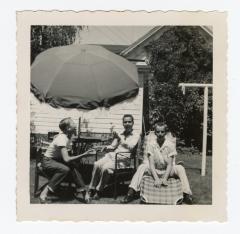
181, 54
44, 37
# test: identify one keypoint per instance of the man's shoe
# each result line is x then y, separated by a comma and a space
88, 197
187, 198
91, 192
127, 199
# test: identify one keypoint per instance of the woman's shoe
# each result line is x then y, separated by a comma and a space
44, 201
43, 196
180, 163
79, 195
89, 196
180, 202
97, 195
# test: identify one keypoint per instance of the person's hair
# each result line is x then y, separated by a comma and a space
161, 124
156, 117
64, 124
126, 116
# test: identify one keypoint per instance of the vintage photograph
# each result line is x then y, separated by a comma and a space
121, 114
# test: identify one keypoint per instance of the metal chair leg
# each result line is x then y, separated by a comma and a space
36, 183
115, 187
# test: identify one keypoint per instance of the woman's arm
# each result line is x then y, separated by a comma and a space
67, 158
114, 145
168, 170
130, 142
157, 181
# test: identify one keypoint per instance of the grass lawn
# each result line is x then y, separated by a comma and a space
201, 185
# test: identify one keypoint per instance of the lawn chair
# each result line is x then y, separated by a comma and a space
121, 174
40, 172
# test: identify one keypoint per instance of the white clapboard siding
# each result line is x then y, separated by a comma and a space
45, 118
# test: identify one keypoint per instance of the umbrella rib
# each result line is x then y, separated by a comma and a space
97, 90
118, 64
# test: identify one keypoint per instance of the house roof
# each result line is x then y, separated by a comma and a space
111, 35
152, 32
140, 40
117, 49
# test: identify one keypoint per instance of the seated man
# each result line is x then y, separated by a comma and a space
134, 186
123, 142
159, 152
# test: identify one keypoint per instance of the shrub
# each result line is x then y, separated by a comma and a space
181, 54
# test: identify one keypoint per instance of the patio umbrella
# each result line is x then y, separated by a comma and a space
82, 76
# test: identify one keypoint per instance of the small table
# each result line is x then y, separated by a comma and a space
81, 144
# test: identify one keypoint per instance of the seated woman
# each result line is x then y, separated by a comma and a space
161, 152
59, 164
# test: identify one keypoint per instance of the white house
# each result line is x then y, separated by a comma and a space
45, 118
128, 42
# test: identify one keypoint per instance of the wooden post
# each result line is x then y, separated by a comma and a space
204, 143
205, 116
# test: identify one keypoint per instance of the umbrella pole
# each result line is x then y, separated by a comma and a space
144, 127
79, 131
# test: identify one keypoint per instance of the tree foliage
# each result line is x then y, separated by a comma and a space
45, 37
181, 54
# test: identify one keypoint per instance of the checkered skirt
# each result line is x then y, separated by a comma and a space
166, 195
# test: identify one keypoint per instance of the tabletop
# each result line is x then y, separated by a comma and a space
83, 143
90, 139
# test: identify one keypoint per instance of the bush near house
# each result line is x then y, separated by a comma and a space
181, 54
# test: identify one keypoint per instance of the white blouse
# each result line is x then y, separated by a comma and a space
161, 154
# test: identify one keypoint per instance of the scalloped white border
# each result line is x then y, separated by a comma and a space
214, 212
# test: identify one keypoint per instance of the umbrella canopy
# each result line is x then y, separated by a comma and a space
82, 76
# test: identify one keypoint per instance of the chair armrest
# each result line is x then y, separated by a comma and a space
122, 153
116, 157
